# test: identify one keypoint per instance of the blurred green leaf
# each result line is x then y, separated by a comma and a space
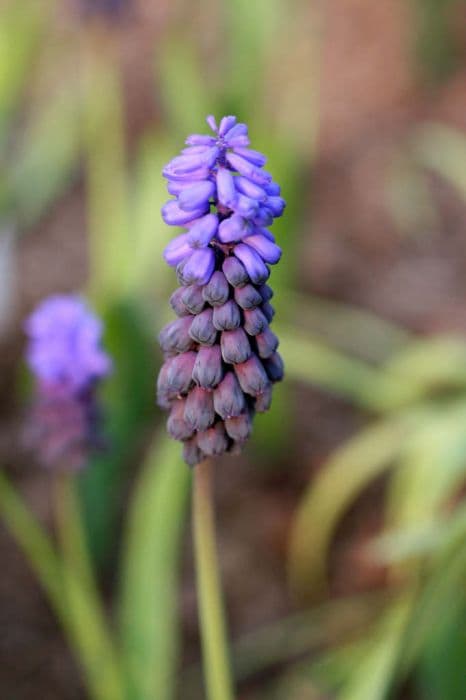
149, 573
443, 662
184, 92
128, 410
67, 590
443, 150
45, 159
372, 678
346, 328
34, 542
85, 613
22, 26
348, 471
110, 240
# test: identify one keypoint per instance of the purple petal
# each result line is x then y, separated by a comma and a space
174, 216
199, 409
264, 216
228, 397
252, 261
250, 189
267, 343
199, 267
175, 187
227, 317
251, 376
270, 252
235, 346
247, 169
177, 427
200, 140
226, 124
202, 232
266, 292
236, 130
197, 196
252, 156
174, 337
233, 229
247, 207
176, 302
226, 191
235, 272
277, 205
213, 441
202, 328
274, 367
195, 150
177, 250
217, 291
192, 299
247, 297
208, 369
264, 400
211, 121
239, 428
192, 455
268, 311
254, 321
273, 189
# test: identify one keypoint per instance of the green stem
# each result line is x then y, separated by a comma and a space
87, 623
211, 612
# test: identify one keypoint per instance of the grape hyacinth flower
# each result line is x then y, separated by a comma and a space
64, 354
220, 354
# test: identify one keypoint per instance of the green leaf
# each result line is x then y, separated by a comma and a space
128, 409
149, 573
85, 613
348, 471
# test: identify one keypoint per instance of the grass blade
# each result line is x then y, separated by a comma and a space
148, 595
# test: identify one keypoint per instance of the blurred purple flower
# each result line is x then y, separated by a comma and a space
222, 342
65, 355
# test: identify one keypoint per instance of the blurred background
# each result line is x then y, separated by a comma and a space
343, 526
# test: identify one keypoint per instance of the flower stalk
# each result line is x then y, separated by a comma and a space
216, 663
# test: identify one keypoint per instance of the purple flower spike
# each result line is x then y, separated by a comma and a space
221, 358
65, 355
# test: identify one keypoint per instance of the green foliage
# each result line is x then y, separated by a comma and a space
149, 573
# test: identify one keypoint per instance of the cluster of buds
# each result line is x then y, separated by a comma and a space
220, 354
64, 354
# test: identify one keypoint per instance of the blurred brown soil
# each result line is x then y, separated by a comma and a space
371, 100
